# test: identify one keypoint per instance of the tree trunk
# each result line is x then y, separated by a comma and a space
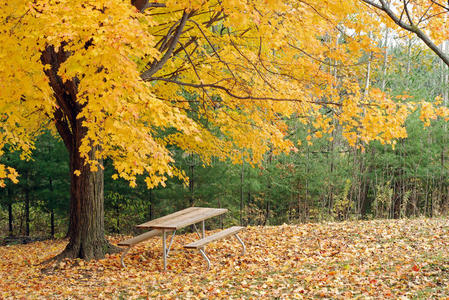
117, 211
52, 211
221, 216
269, 191
27, 212
10, 219
385, 62
192, 184
52, 223
241, 193
10, 216
86, 226
151, 208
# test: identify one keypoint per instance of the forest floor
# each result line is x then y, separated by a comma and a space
407, 259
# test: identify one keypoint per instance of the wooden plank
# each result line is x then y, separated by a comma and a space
205, 214
140, 238
184, 218
167, 217
217, 236
170, 222
190, 218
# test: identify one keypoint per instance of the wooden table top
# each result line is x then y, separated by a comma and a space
183, 218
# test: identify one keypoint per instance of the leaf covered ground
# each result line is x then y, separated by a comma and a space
363, 259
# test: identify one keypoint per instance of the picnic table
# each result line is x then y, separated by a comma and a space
181, 219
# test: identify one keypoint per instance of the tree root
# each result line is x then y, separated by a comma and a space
96, 250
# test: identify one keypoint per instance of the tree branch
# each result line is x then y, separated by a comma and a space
248, 97
63, 128
409, 27
157, 65
142, 5
326, 63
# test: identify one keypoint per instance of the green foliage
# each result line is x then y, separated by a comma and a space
342, 205
44, 185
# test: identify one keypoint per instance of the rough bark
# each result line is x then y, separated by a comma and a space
86, 228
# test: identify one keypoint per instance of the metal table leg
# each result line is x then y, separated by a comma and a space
243, 245
171, 242
123, 256
203, 229
196, 230
164, 248
203, 233
205, 257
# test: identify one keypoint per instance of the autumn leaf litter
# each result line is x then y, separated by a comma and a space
363, 259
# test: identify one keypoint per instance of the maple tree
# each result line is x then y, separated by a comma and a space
125, 80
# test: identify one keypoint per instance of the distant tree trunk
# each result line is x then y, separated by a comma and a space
268, 196
117, 211
27, 211
191, 184
221, 216
299, 201
241, 194
248, 201
151, 212
331, 157
444, 92
409, 61
52, 223
10, 216
10, 219
52, 212
426, 202
385, 62
306, 196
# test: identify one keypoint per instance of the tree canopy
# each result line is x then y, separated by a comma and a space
129, 81
246, 66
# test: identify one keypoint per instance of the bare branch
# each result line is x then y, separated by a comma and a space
212, 46
254, 66
407, 12
247, 97
157, 65
424, 14
411, 28
441, 5
322, 61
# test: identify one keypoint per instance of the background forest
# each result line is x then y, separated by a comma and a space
325, 179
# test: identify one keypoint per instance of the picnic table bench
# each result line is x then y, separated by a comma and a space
217, 236
135, 240
178, 220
